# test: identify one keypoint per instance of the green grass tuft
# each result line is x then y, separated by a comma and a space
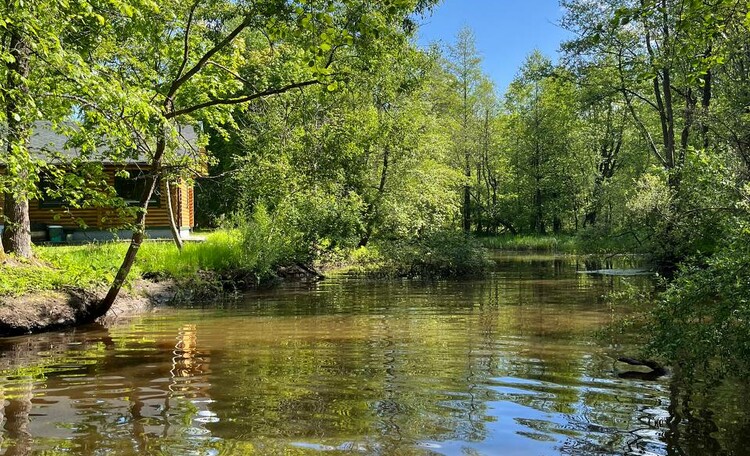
535, 243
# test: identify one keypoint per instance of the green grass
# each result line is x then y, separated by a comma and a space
252, 251
95, 265
221, 252
533, 243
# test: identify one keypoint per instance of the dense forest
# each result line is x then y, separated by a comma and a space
636, 141
328, 130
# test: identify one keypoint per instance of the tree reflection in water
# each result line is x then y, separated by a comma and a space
506, 365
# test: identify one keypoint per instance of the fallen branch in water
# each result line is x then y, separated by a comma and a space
657, 370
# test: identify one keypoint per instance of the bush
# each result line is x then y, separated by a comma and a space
267, 243
702, 320
439, 254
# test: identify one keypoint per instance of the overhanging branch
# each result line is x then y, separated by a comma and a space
239, 100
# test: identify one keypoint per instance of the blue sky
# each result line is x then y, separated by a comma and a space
506, 31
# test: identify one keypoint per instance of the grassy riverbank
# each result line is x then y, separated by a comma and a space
94, 265
554, 243
234, 253
531, 243
235, 258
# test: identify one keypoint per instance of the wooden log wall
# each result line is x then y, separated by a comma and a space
103, 218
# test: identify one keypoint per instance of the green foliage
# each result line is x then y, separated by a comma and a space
437, 255
702, 321
367, 161
671, 225
550, 170
549, 243
266, 243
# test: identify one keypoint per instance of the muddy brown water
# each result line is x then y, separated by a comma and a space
513, 364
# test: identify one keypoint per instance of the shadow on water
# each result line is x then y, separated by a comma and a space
505, 365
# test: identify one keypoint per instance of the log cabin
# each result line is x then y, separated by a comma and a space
52, 220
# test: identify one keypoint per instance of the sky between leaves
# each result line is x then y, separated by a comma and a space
506, 31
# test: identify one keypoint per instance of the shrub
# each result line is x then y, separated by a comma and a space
266, 242
702, 320
439, 254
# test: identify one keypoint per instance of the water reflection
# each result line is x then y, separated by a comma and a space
507, 365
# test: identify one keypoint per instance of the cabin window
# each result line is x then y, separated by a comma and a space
49, 192
131, 188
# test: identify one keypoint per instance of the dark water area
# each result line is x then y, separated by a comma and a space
513, 364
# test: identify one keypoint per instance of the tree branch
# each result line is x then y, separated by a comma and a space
239, 100
641, 97
634, 114
237, 76
186, 48
177, 83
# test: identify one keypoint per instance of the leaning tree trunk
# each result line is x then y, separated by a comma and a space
139, 231
16, 236
172, 222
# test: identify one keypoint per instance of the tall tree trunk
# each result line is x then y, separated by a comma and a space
467, 206
667, 109
16, 236
17, 232
480, 213
539, 210
706, 103
557, 224
467, 158
372, 208
609, 152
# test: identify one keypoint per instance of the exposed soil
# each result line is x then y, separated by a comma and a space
52, 310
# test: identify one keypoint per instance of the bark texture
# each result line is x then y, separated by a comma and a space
16, 236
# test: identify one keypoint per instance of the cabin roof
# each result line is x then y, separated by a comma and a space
49, 145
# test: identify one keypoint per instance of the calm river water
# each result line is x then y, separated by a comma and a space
508, 365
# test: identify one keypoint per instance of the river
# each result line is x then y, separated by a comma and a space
513, 364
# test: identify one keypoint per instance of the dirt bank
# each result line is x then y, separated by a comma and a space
53, 310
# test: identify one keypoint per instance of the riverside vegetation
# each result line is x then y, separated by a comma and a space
246, 255
331, 136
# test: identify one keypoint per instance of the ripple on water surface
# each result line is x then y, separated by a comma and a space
506, 365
